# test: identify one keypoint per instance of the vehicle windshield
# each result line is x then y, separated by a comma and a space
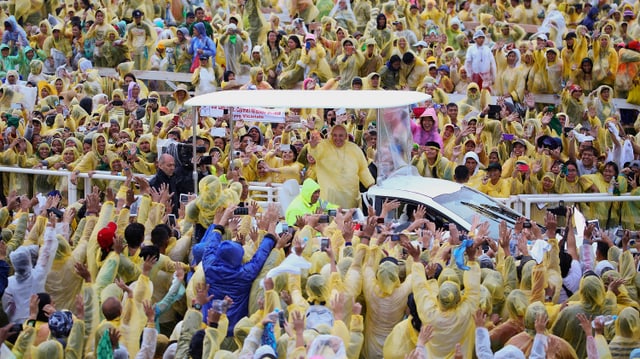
477, 203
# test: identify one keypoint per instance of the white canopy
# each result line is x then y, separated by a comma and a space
309, 99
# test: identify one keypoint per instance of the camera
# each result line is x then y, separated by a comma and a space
560, 211
184, 198
323, 218
185, 152
332, 212
395, 237
241, 211
117, 102
55, 211
526, 224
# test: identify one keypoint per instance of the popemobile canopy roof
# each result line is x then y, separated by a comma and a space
309, 99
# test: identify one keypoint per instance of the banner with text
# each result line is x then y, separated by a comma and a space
254, 114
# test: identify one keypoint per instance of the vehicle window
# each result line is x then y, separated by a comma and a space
404, 213
467, 202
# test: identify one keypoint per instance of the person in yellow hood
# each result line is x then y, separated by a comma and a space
605, 61
385, 297
524, 340
99, 158
447, 309
594, 300
341, 166
307, 202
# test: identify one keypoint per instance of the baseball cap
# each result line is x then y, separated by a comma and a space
137, 13
494, 166
421, 43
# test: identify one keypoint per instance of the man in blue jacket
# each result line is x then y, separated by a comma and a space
227, 275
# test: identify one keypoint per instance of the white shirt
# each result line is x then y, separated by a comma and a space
480, 60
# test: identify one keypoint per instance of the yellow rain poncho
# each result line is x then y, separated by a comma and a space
557, 347
627, 335
594, 300
386, 300
448, 310
340, 170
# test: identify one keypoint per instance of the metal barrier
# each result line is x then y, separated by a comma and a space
265, 194
261, 192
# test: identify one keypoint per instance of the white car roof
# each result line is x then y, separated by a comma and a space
309, 99
430, 187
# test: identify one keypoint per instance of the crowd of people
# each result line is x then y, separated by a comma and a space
142, 268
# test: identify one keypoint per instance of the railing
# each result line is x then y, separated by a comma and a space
261, 192
264, 194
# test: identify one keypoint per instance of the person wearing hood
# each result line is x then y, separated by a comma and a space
601, 100
57, 41
314, 58
605, 61
510, 82
233, 41
201, 44
115, 50
227, 275
382, 35
537, 313
98, 32
98, 159
480, 62
390, 73
341, 166
27, 278
14, 34
179, 55
180, 96
426, 128
442, 304
575, 49
307, 202
256, 81
413, 69
349, 62
590, 20
594, 300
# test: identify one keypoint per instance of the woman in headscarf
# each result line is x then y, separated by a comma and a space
594, 300
605, 61
98, 159
115, 50
39, 160
44, 28
349, 63
583, 76
201, 44
133, 92
425, 129
344, 16
602, 101
509, 81
292, 73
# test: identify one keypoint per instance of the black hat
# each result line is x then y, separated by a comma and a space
191, 14
494, 166
204, 57
137, 13
432, 144
356, 80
